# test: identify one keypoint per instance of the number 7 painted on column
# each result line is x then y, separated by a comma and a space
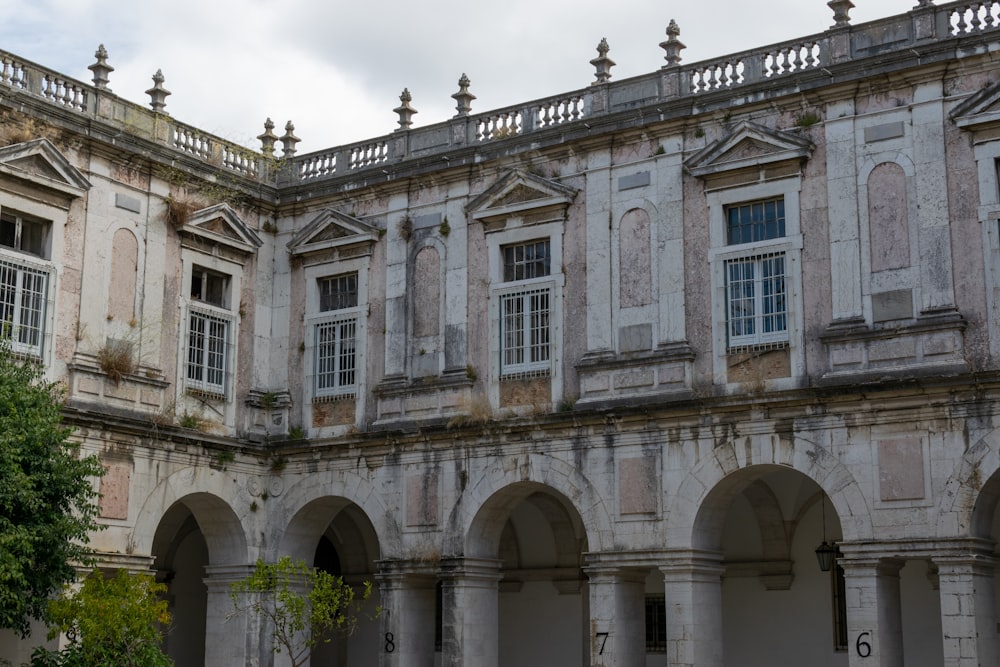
603, 638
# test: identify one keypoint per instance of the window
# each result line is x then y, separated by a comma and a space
336, 336
656, 624
24, 234
525, 330
24, 282
756, 295
209, 324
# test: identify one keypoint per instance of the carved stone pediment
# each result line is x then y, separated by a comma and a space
749, 145
332, 229
979, 111
519, 192
220, 224
38, 163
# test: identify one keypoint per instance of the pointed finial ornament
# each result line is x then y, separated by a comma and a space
101, 68
463, 97
405, 111
158, 94
672, 45
288, 140
267, 138
602, 64
841, 12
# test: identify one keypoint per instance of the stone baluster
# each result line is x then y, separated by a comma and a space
267, 138
463, 97
602, 64
158, 94
101, 68
672, 45
404, 110
288, 140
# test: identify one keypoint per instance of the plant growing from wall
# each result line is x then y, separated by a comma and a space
303, 606
117, 359
47, 499
116, 620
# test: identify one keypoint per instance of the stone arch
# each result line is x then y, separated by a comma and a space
714, 476
309, 506
203, 494
535, 473
971, 494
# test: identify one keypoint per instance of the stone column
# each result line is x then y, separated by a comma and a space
968, 609
471, 612
408, 612
617, 616
231, 640
874, 623
692, 583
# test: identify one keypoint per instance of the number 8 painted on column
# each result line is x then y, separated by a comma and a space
863, 647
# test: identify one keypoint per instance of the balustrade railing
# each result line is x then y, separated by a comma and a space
972, 17
763, 65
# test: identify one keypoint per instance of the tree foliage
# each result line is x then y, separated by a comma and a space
111, 622
47, 502
304, 605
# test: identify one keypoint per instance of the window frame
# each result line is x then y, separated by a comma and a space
319, 322
514, 232
23, 263
722, 255
194, 308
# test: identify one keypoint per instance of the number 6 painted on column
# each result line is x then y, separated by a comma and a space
863, 648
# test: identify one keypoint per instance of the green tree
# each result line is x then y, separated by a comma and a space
114, 621
47, 501
304, 605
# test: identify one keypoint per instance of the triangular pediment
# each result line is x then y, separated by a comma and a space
518, 191
220, 224
980, 110
748, 145
40, 163
331, 229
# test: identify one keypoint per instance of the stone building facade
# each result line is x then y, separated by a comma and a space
585, 380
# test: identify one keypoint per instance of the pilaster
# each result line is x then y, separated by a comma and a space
407, 591
471, 612
692, 583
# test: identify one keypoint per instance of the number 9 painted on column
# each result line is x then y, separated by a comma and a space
862, 646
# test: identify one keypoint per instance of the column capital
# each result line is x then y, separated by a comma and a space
400, 572
468, 568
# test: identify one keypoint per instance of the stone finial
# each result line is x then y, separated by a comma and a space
841, 12
924, 3
101, 68
463, 97
288, 140
268, 138
158, 94
673, 45
405, 111
602, 63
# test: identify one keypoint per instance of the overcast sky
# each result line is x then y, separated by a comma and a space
336, 67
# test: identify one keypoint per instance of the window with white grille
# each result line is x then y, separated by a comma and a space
525, 311
208, 351
335, 337
24, 292
210, 324
24, 281
755, 285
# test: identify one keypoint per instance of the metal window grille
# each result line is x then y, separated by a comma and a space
757, 300
208, 353
755, 221
523, 261
525, 331
336, 357
338, 292
656, 624
23, 300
